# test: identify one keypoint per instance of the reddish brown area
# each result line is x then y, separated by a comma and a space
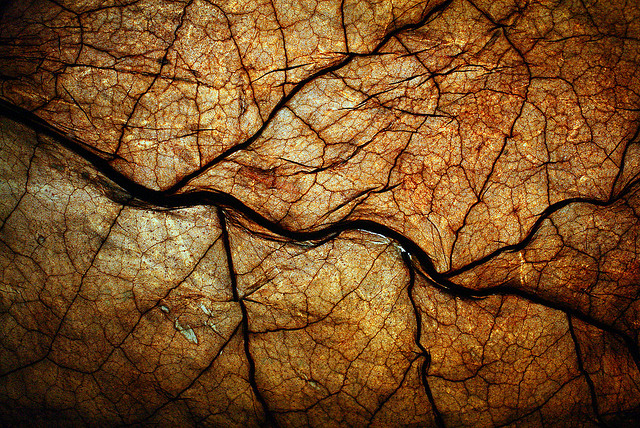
325, 213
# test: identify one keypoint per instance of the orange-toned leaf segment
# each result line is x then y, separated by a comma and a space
320, 213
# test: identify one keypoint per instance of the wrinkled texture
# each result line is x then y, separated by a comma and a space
332, 213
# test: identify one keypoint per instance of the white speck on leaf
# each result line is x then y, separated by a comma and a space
187, 332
